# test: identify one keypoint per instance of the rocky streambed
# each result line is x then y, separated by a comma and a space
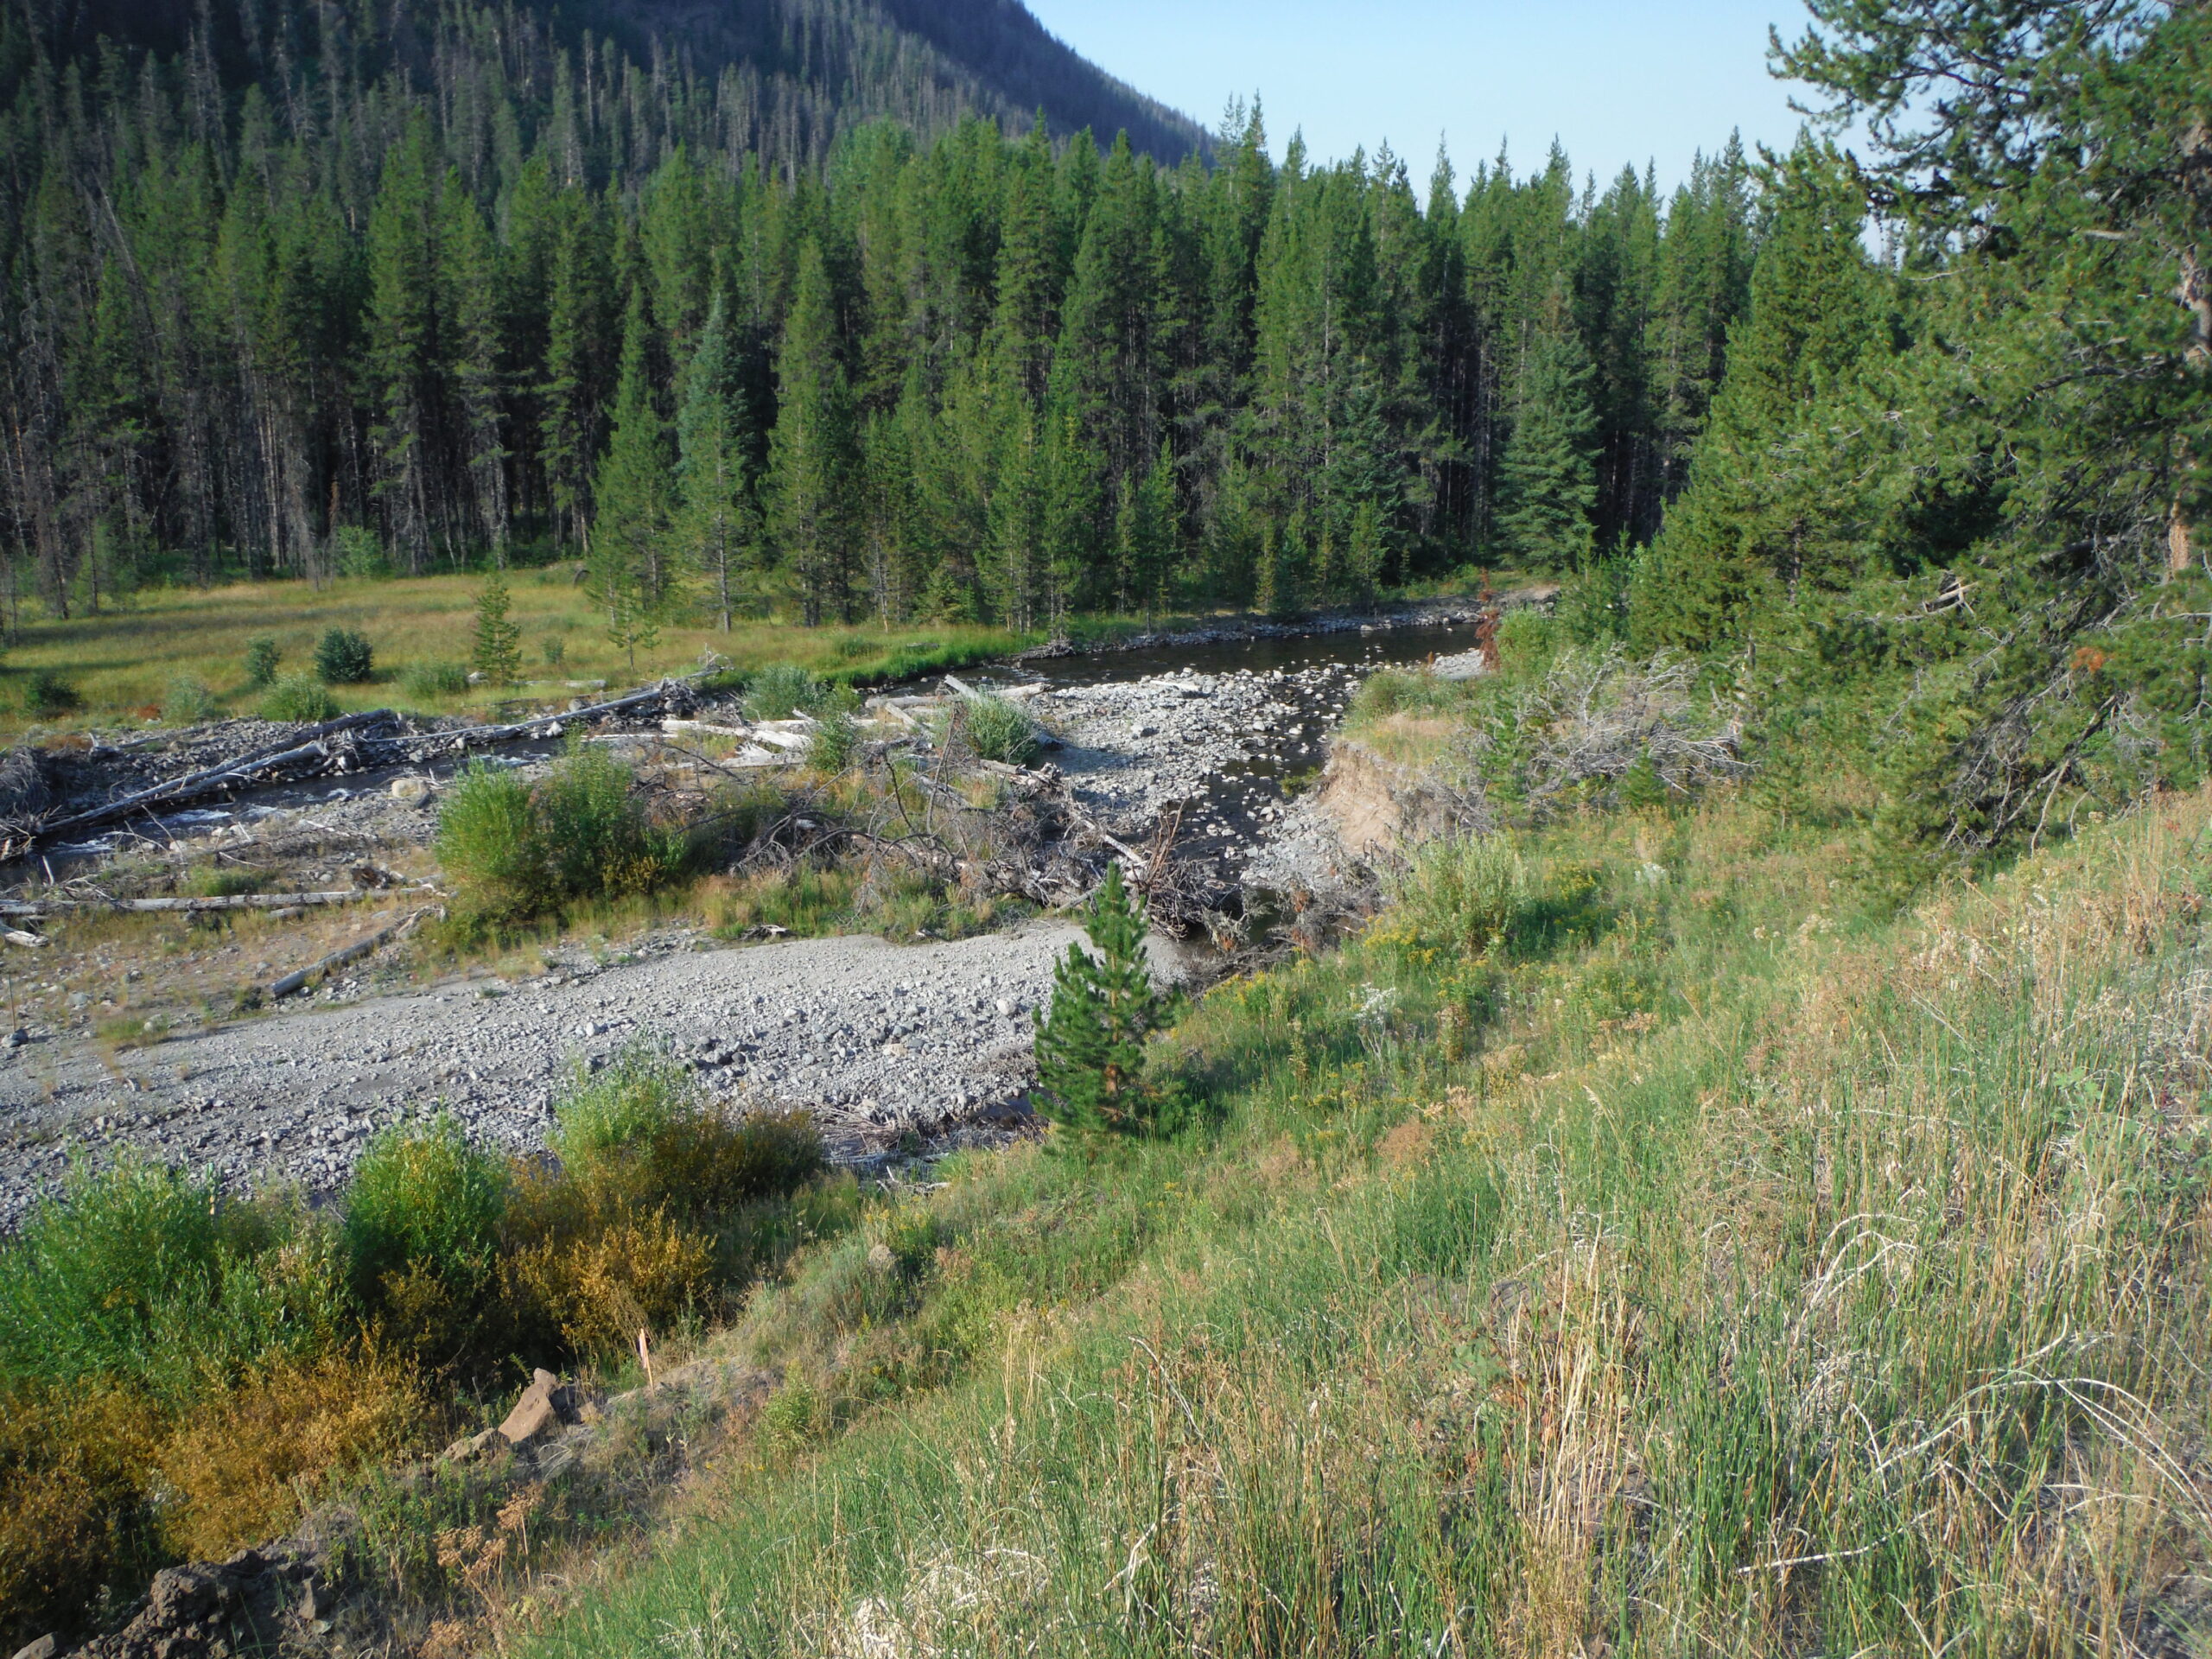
890, 1045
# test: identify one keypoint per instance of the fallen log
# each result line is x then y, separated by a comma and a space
353, 952
34, 907
675, 728
463, 738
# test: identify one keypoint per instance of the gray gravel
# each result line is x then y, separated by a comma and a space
877, 1039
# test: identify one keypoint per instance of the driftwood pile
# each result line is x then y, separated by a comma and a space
355, 743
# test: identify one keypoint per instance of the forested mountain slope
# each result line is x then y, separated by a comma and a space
783, 77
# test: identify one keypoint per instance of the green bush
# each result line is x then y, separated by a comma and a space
513, 851
1528, 640
638, 1093
643, 1130
1463, 894
262, 657
998, 729
188, 702
140, 1272
299, 697
1404, 690
780, 691
491, 847
357, 550
47, 692
597, 834
343, 658
428, 681
425, 1201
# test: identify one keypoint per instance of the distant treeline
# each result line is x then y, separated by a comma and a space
511, 300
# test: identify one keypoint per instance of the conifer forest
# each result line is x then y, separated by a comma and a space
502, 295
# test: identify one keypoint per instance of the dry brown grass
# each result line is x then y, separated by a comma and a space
239, 1467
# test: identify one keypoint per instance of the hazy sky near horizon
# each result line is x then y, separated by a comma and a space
1615, 81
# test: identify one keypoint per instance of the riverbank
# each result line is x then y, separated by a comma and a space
129, 1036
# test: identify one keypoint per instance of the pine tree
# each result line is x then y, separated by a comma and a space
470, 282
496, 651
1090, 1047
1762, 513
1549, 479
634, 488
718, 520
810, 449
404, 343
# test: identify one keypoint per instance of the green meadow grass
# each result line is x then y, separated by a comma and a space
1714, 1260
124, 662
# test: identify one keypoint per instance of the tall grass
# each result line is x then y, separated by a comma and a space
1756, 1271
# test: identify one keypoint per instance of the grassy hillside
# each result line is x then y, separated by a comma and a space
1642, 1241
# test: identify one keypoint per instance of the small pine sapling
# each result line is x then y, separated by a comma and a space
497, 653
1090, 1047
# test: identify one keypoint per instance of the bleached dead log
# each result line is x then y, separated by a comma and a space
353, 952
676, 727
459, 741
32, 907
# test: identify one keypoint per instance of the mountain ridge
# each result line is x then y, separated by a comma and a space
815, 68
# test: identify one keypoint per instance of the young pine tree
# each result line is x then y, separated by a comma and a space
1090, 1047
497, 651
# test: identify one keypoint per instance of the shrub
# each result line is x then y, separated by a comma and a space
780, 691
491, 847
343, 658
357, 550
73, 1467
47, 692
139, 1273
643, 1130
188, 702
835, 741
1401, 690
708, 1164
427, 682
640, 1092
262, 657
1090, 1047
1462, 895
998, 729
234, 1467
596, 834
422, 1217
299, 697
594, 1286
514, 851
556, 651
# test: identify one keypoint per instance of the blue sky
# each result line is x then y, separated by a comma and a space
1615, 81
